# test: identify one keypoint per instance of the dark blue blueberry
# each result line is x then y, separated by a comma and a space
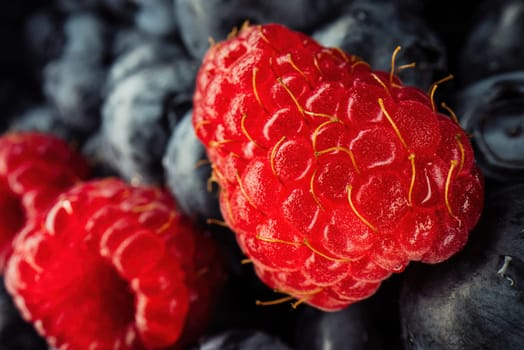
156, 17
127, 38
43, 38
242, 340
153, 17
136, 53
187, 173
43, 118
96, 149
449, 20
348, 329
200, 20
492, 111
120, 10
86, 38
74, 89
474, 300
135, 118
72, 51
82, 36
373, 29
237, 306
15, 333
494, 41
371, 324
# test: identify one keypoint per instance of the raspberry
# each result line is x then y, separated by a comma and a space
333, 176
121, 257
34, 169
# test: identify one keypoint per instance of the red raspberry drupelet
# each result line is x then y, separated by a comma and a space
333, 176
34, 169
114, 266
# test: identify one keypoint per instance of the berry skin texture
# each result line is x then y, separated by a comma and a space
241, 339
199, 20
333, 176
489, 110
187, 170
473, 300
135, 116
34, 169
386, 26
121, 257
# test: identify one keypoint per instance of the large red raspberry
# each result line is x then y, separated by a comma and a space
114, 266
34, 169
332, 175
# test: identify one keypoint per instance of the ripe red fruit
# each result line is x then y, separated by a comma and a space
34, 169
332, 175
113, 266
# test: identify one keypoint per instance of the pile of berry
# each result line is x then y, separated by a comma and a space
195, 174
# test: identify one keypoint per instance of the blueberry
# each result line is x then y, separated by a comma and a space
95, 148
449, 21
44, 119
119, 9
122, 10
494, 42
188, 172
43, 37
137, 55
242, 340
156, 17
86, 38
73, 82
15, 333
373, 29
153, 17
82, 36
349, 329
492, 111
200, 20
371, 324
135, 118
127, 38
475, 299
237, 305
74, 89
